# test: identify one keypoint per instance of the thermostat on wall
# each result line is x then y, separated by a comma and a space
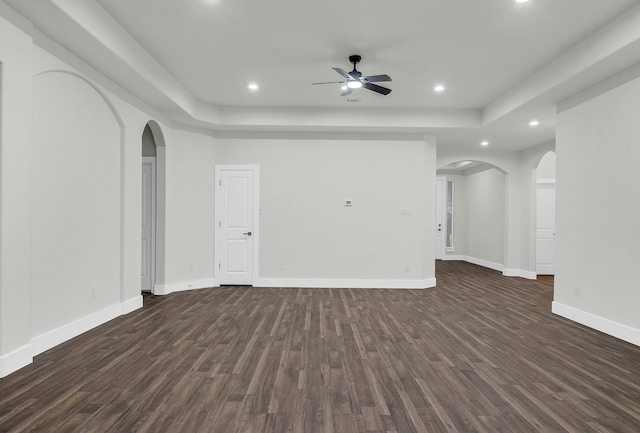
348, 202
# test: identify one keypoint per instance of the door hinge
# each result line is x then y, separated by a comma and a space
219, 265
220, 182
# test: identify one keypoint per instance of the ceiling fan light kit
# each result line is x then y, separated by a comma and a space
355, 80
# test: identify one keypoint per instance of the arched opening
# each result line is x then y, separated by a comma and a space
545, 214
148, 227
472, 211
152, 206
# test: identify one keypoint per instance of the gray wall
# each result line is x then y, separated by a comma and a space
598, 209
76, 201
485, 216
305, 224
547, 167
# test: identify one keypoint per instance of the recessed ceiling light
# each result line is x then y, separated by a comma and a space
484, 143
253, 86
534, 123
521, 1
439, 88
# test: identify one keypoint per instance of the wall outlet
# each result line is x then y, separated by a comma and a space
281, 266
577, 291
190, 267
94, 292
407, 267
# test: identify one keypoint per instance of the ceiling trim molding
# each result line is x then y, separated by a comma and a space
620, 34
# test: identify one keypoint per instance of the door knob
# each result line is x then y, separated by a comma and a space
247, 233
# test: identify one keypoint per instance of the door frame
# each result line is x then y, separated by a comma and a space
151, 160
544, 185
256, 216
441, 210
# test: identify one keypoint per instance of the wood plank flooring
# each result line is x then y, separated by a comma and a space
478, 353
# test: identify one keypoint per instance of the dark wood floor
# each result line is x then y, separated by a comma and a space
478, 353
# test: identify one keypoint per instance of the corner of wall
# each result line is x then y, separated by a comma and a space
522, 273
131, 305
609, 327
165, 289
23, 356
14, 361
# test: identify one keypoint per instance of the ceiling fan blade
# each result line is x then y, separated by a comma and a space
343, 73
330, 82
376, 88
346, 91
376, 78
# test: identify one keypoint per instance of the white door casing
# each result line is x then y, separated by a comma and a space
545, 227
148, 232
441, 183
236, 224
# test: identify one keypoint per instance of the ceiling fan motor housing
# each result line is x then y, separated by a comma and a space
355, 79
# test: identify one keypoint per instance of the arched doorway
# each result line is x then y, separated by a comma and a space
148, 211
473, 209
545, 214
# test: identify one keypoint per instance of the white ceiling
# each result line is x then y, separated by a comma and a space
503, 63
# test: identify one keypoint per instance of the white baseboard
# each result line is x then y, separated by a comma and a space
14, 361
484, 263
529, 275
165, 289
453, 257
23, 356
344, 283
495, 266
609, 327
52, 338
131, 305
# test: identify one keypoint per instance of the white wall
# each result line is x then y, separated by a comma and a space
485, 216
547, 167
70, 158
15, 203
76, 201
597, 212
305, 224
190, 181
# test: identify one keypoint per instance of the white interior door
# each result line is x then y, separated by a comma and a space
440, 216
545, 228
237, 223
148, 250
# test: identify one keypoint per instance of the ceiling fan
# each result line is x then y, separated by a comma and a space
355, 80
